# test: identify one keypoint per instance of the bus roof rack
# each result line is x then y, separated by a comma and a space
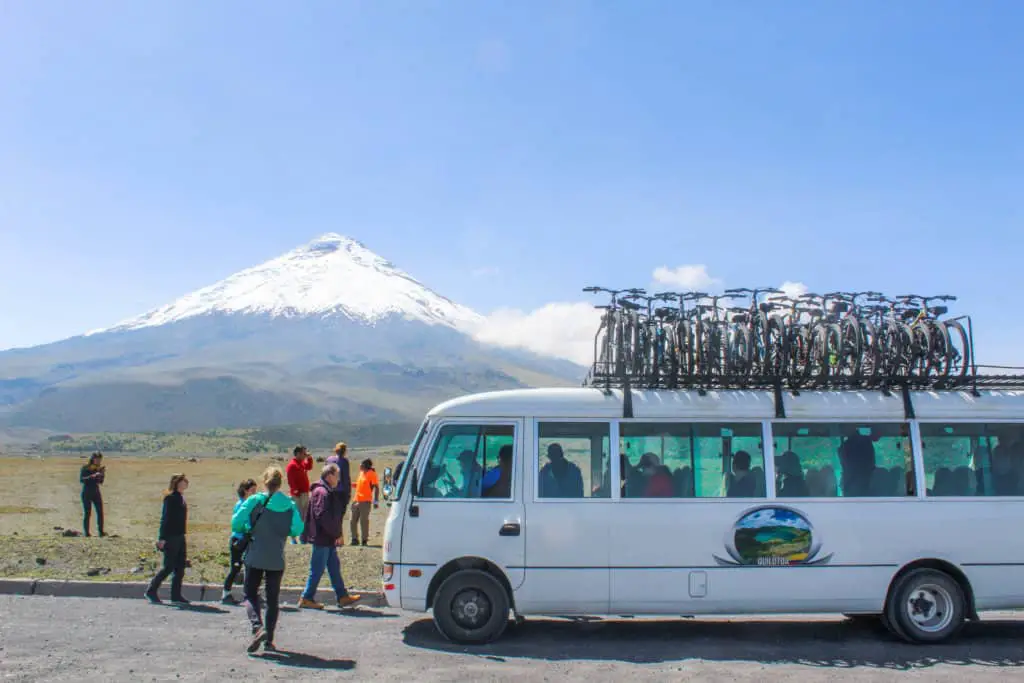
606, 377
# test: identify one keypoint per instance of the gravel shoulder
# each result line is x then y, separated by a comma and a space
96, 639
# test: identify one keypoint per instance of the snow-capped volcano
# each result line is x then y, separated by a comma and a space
333, 275
329, 331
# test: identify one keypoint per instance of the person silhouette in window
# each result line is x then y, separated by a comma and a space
560, 478
497, 483
743, 484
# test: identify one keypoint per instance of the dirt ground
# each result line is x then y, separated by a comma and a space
40, 497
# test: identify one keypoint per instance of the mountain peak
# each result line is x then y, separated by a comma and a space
333, 275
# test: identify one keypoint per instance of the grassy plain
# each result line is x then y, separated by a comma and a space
40, 496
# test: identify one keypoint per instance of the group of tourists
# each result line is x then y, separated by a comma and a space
261, 524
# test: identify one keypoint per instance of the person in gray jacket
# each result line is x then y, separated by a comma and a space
269, 519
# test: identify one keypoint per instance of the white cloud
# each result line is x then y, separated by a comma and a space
687, 277
793, 289
564, 330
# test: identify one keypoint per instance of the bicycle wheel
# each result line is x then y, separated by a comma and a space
739, 355
920, 345
851, 345
777, 350
939, 351
871, 365
959, 348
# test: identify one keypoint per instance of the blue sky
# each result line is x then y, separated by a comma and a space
509, 153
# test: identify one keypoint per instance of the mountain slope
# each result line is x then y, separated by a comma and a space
329, 331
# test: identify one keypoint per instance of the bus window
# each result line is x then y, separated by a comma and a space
465, 461
691, 460
973, 459
853, 460
572, 459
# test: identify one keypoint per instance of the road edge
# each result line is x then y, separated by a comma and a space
195, 592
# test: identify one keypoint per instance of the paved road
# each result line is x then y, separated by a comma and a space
93, 639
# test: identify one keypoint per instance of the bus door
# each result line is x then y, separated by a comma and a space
467, 502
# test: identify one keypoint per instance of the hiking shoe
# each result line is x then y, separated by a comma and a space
355, 541
309, 604
364, 544
269, 647
258, 638
153, 598
347, 600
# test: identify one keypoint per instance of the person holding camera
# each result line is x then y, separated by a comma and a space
91, 476
173, 523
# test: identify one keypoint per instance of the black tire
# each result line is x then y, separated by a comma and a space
926, 606
471, 607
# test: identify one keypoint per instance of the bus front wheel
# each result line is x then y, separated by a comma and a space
471, 607
926, 606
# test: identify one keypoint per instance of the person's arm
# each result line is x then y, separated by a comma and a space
318, 502
240, 521
308, 463
375, 486
84, 475
164, 514
344, 481
292, 474
297, 525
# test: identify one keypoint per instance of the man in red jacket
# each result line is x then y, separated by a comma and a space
297, 472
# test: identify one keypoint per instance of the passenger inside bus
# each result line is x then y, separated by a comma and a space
742, 483
472, 475
560, 478
789, 475
497, 483
659, 479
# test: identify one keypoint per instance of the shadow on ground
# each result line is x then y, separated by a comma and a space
826, 644
306, 661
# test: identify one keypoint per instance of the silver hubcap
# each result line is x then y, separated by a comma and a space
471, 609
930, 607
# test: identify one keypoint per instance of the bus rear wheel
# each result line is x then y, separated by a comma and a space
926, 606
471, 607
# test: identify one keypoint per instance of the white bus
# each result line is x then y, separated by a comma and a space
907, 506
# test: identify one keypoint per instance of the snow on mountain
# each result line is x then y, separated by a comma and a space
330, 276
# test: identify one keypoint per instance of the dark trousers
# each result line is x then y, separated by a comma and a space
174, 563
253, 578
235, 568
92, 498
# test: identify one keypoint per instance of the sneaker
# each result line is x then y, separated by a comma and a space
347, 600
269, 647
258, 638
229, 599
364, 543
180, 601
294, 542
309, 604
153, 598
355, 541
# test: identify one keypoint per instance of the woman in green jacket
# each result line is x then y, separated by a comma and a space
268, 519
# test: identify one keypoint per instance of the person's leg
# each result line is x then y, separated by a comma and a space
98, 502
353, 527
253, 608
317, 563
179, 571
364, 521
158, 579
334, 571
273, 601
233, 570
86, 512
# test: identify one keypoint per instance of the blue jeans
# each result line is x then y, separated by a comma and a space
324, 557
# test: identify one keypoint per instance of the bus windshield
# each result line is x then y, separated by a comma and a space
408, 463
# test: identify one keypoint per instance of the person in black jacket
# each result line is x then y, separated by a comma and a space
91, 477
173, 522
